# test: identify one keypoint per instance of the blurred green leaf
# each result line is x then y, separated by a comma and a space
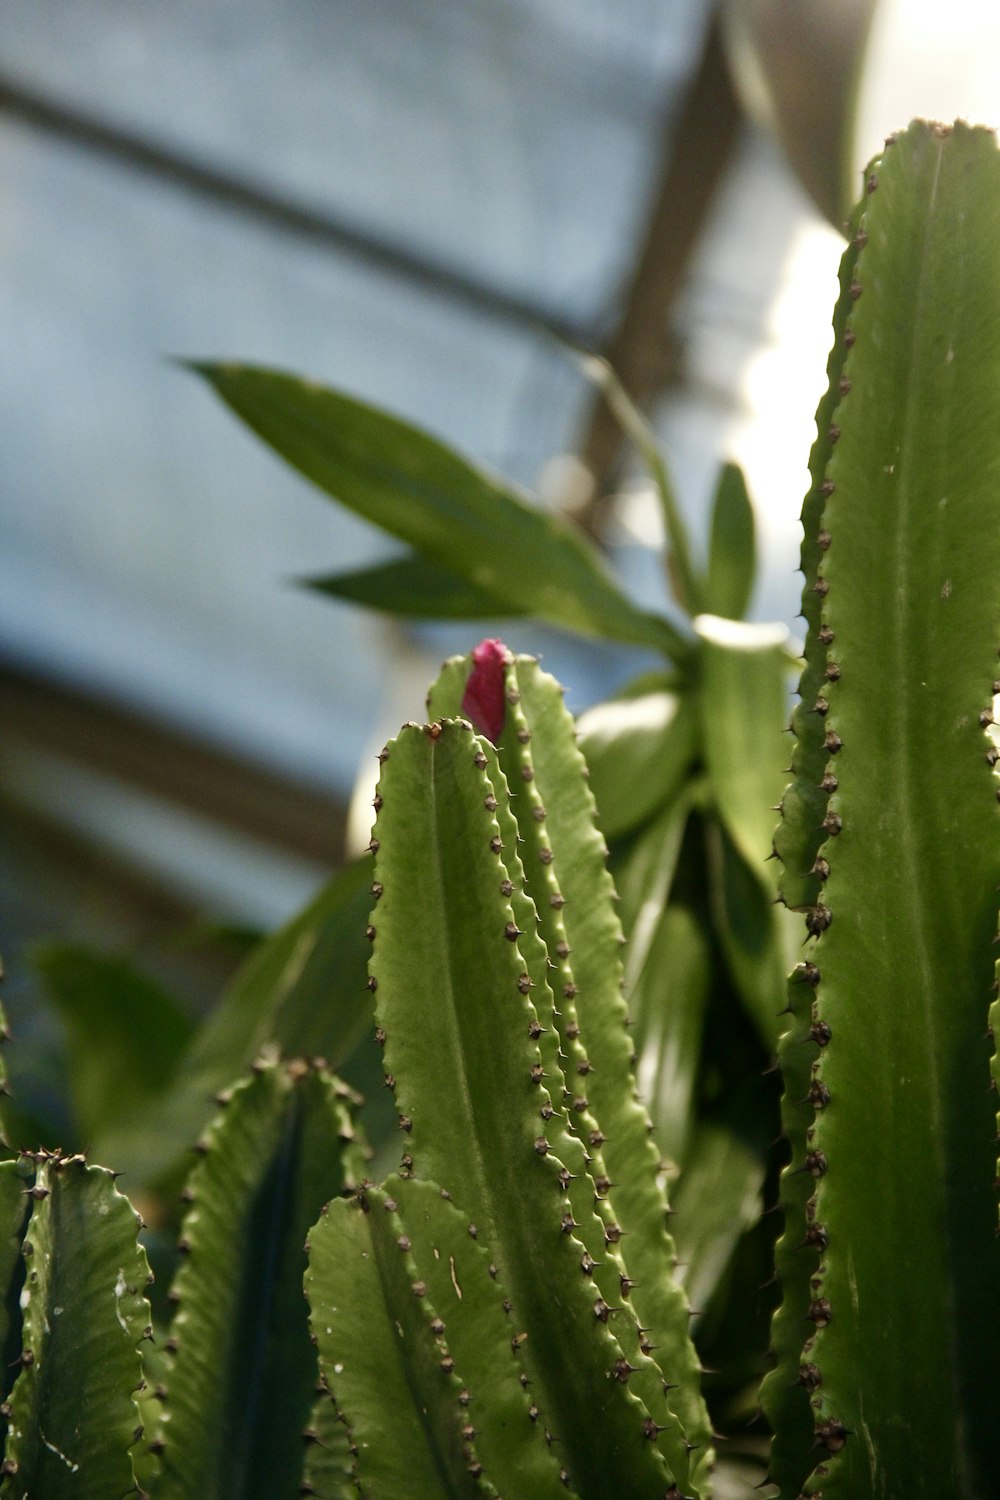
643, 867
799, 69
638, 751
667, 1003
731, 560
413, 586
125, 1033
237, 938
456, 515
747, 922
680, 568
717, 1198
744, 708
304, 989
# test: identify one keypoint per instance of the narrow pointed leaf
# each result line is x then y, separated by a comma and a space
731, 559
753, 932
743, 700
635, 426
717, 1199
644, 867
414, 586
667, 1005
455, 514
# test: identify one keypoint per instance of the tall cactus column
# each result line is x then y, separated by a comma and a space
888, 1339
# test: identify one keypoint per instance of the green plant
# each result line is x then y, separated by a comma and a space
501, 1316
889, 842
496, 967
687, 821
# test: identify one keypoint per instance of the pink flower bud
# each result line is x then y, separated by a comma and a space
484, 703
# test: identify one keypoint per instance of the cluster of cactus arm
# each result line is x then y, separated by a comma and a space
502, 1317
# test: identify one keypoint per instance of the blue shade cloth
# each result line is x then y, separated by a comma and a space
145, 536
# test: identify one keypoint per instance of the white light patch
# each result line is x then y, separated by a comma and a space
120, 1289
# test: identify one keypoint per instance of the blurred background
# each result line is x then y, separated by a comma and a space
429, 206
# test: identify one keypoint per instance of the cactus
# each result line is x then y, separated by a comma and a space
890, 1258
238, 1386
504, 1315
493, 1093
229, 1395
660, 766
71, 1415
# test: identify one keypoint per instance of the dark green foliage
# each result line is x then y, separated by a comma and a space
72, 1416
508, 1316
240, 1383
98, 998
887, 1066
461, 518
301, 989
729, 584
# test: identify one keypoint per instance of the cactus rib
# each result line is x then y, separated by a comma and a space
476, 1108
906, 635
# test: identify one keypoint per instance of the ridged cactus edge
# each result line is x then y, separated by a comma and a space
499, 1007
886, 1342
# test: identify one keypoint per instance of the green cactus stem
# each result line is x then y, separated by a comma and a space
240, 1383
894, 1136
481, 1098
800, 833
564, 859
390, 1371
72, 1415
329, 1464
407, 1308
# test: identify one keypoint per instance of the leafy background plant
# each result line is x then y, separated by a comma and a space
686, 819
683, 783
